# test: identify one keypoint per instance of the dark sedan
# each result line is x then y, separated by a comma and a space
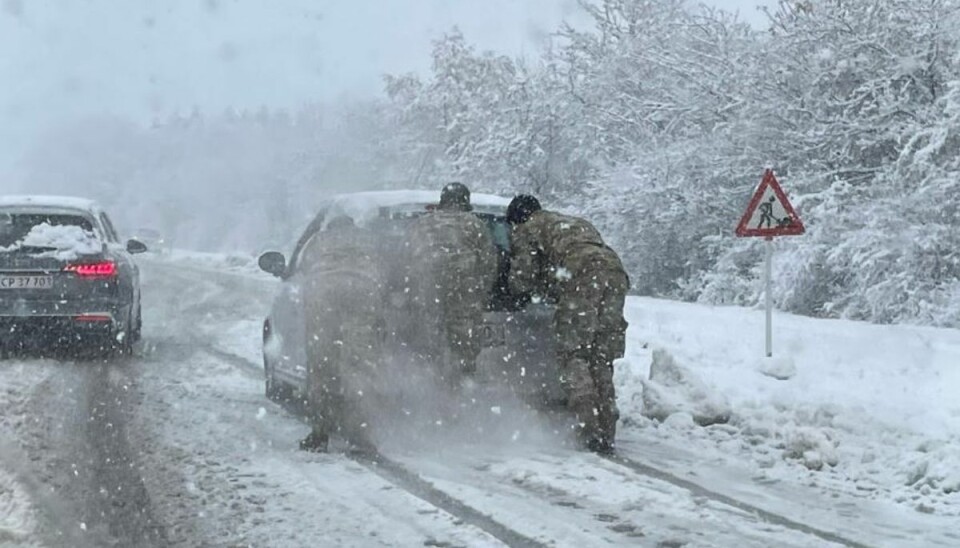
66, 281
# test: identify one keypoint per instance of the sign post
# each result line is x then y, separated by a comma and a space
767, 287
769, 214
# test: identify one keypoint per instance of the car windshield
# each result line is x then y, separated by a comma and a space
14, 227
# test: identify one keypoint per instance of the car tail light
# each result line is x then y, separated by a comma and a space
104, 269
93, 318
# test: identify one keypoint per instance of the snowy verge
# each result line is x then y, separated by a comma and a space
232, 263
18, 510
866, 410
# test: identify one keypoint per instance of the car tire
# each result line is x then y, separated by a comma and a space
274, 389
136, 330
122, 343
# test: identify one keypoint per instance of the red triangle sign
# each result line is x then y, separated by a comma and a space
770, 213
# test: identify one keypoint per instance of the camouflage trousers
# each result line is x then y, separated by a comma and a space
343, 332
591, 332
449, 312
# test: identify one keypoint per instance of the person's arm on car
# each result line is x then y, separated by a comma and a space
524, 262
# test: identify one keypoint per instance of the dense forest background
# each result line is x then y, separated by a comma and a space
656, 122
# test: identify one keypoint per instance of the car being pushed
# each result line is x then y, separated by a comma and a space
66, 281
518, 345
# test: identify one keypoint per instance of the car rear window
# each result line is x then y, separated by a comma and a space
14, 227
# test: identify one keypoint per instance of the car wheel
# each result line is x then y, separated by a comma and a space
269, 381
122, 343
137, 328
275, 390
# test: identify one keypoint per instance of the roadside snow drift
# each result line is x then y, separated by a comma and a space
673, 389
872, 408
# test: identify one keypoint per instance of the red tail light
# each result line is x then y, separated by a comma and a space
93, 318
105, 269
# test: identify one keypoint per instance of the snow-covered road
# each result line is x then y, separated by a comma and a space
177, 446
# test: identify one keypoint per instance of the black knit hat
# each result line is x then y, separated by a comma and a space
521, 208
455, 196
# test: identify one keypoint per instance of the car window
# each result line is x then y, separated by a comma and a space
15, 226
108, 228
315, 225
499, 230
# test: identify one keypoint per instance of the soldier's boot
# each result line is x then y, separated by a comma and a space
605, 442
587, 426
608, 414
317, 441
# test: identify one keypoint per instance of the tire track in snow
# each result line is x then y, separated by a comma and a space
412, 483
405, 479
700, 491
123, 504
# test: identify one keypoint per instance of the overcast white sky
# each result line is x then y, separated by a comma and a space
62, 59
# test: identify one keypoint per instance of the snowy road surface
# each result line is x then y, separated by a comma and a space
176, 446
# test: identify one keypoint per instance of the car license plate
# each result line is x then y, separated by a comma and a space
25, 282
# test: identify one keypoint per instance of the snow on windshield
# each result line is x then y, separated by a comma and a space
63, 242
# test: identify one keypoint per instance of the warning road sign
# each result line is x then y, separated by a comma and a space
770, 213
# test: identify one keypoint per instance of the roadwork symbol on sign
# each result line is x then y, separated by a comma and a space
770, 213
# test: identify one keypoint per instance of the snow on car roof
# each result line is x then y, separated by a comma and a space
49, 202
361, 205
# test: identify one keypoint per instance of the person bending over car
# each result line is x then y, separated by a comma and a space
564, 259
453, 267
342, 303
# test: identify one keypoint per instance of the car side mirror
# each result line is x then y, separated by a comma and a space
135, 246
273, 262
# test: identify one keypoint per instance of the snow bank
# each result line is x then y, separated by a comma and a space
868, 409
235, 263
68, 242
674, 389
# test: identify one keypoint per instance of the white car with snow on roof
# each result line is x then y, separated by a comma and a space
518, 344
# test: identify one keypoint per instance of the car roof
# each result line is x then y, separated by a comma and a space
55, 203
363, 205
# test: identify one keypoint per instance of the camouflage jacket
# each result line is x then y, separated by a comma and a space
551, 249
457, 242
343, 250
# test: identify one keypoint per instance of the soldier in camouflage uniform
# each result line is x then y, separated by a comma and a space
563, 259
342, 304
453, 269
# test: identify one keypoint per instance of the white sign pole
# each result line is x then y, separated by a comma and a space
767, 271
769, 214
